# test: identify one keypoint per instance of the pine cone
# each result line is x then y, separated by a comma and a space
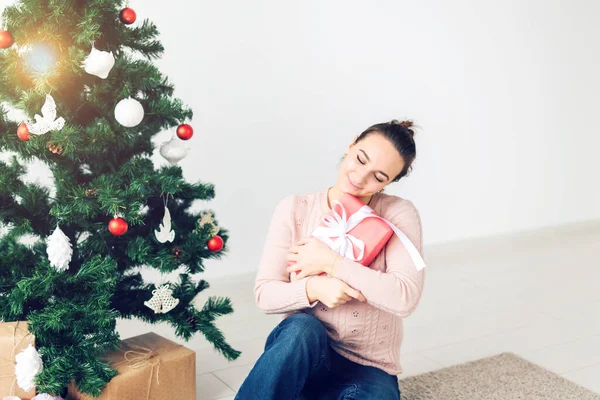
56, 149
177, 252
91, 193
192, 321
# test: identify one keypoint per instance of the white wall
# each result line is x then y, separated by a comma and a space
506, 93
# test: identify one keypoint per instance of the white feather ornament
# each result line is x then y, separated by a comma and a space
164, 232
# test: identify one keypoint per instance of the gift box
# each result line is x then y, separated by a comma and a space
353, 230
149, 367
14, 337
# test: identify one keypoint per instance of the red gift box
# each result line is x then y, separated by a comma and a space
357, 237
353, 230
350, 232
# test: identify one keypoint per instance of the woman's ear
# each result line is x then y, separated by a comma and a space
352, 143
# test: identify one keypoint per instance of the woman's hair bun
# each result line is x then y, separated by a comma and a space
404, 124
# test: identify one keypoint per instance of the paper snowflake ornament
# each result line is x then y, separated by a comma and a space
59, 250
48, 121
164, 232
28, 365
162, 300
207, 218
99, 63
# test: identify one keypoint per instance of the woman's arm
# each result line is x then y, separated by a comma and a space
273, 291
398, 289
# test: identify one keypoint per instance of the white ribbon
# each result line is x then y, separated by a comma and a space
338, 226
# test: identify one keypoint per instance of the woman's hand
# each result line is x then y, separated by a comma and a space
311, 257
331, 291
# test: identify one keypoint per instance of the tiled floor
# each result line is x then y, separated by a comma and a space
535, 294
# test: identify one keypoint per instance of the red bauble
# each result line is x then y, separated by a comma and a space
185, 131
117, 226
23, 132
215, 244
127, 16
6, 40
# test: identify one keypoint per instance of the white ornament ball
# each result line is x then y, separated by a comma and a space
99, 63
28, 366
129, 112
174, 150
46, 396
59, 250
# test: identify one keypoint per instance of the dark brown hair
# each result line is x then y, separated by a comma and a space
401, 135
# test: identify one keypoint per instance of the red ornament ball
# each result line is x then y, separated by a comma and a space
6, 40
215, 243
185, 131
117, 226
127, 16
23, 132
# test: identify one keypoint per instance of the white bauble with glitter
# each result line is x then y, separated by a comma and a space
59, 250
46, 396
129, 112
28, 365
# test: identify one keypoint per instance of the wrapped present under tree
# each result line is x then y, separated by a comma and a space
150, 368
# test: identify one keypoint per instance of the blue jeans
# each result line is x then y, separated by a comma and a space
298, 361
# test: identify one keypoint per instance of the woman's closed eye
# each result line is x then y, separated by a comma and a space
363, 163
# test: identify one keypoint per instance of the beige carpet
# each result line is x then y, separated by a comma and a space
502, 377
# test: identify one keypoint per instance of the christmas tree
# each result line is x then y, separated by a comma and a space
81, 73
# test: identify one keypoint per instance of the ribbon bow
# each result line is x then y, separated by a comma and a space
335, 233
142, 358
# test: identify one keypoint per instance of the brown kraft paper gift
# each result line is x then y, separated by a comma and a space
149, 367
14, 337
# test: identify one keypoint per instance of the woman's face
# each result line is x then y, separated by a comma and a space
369, 166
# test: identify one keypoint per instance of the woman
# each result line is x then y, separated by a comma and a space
341, 333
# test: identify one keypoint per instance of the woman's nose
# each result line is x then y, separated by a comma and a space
362, 176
